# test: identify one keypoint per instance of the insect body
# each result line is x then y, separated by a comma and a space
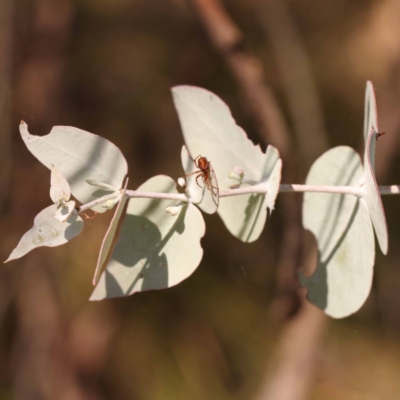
206, 172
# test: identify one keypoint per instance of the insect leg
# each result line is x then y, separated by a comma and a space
197, 177
196, 162
193, 173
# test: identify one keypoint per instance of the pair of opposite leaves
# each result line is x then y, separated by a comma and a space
156, 251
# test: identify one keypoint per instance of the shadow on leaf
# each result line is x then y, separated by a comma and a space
319, 280
139, 262
252, 213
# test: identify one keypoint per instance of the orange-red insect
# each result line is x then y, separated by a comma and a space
205, 171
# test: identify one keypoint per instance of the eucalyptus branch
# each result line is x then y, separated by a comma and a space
260, 188
354, 190
393, 189
133, 194
99, 200
161, 196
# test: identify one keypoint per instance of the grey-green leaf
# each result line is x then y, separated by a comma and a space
48, 231
370, 188
155, 250
209, 130
341, 225
370, 111
79, 155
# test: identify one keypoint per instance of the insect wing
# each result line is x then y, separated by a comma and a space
213, 186
210, 200
194, 192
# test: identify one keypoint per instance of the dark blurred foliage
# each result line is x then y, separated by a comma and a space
107, 67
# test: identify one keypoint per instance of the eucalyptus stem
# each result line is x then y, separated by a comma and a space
393, 189
260, 188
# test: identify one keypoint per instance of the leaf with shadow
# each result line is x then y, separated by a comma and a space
155, 250
342, 227
209, 130
48, 231
79, 155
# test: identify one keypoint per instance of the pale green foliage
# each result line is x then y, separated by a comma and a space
372, 196
342, 224
155, 250
159, 242
342, 228
210, 131
370, 111
48, 231
371, 193
79, 155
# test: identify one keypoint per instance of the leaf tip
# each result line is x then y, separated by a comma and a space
95, 297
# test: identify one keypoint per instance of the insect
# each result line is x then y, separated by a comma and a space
205, 171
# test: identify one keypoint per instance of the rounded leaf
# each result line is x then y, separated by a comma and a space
209, 130
155, 249
79, 155
341, 225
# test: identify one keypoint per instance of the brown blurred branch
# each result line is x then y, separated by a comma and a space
263, 107
5, 85
297, 77
261, 104
247, 71
53, 358
297, 357
51, 352
5, 133
39, 82
42, 365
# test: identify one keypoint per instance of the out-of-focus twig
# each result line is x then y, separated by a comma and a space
248, 73
297, 78
43, 368
263, 107
39, 80
5, 132
296, 360
5, 85
46, 345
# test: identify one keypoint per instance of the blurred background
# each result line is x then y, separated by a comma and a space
294, 74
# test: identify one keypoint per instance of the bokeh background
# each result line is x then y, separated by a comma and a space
235, 329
